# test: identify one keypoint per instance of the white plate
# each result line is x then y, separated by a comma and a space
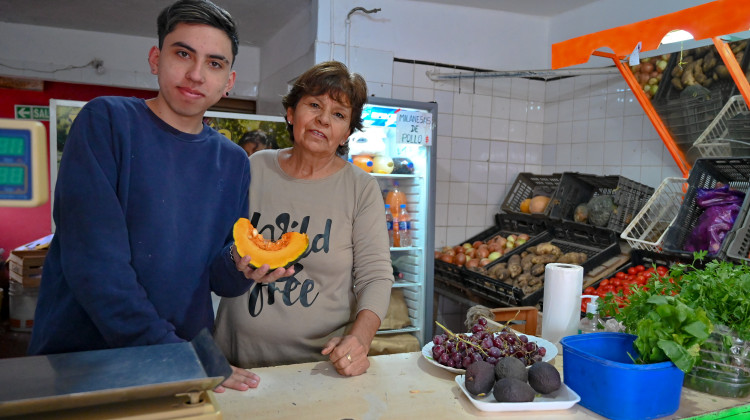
551, 352
561, 399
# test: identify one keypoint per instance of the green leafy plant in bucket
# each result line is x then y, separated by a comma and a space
668, 326
672, 331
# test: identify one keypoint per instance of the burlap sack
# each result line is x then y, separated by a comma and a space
398, 313
394, 343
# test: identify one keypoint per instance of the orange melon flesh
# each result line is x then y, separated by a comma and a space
282, 253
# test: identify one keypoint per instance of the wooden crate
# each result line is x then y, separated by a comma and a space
26, 266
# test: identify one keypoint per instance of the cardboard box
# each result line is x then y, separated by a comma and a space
26, 266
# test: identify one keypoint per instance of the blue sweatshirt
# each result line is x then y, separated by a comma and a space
144, 217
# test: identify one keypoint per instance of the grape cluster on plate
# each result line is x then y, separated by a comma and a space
460, 350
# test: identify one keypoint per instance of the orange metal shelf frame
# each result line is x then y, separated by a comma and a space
710, 20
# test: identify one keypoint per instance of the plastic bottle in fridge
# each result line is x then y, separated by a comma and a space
389, 223
395, 198
404, 227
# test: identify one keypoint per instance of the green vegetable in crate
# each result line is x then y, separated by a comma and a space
695, 92
601, 208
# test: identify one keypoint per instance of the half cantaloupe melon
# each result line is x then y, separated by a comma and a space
282, 253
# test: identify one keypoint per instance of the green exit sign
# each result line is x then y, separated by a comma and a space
32, 112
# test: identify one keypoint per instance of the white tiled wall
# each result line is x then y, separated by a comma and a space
490, 129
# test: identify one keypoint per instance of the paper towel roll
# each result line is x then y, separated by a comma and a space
563, 286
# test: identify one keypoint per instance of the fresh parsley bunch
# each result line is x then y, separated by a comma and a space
722, 289
669, 325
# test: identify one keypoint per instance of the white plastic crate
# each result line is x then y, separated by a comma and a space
712, 142
649, 226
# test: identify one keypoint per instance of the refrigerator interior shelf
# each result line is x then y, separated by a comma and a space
396, 175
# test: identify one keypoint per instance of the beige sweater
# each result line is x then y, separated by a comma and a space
347, 267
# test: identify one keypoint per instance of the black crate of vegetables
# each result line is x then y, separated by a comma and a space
708, 173
598, 245
526, 187
606, 201
455, 277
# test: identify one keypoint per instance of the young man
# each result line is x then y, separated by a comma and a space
145, 201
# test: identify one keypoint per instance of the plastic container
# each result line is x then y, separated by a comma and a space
402, 235
712, 142
649, 226
590, 325
455, 278
577, 188
21, 306
524, 187
686, 119
395, 198
389, 223
598, 244
598, 367
724, 366
707, 173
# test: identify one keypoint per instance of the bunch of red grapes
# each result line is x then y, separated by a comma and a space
461, 350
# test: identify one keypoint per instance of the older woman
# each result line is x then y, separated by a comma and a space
332, 306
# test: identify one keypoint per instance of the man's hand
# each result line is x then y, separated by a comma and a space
259, 275
240, 380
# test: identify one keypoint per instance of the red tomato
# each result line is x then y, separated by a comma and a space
603, 283
620, 274
584, 301
589, 291
616, 282
632, 270
640, 268
662, 270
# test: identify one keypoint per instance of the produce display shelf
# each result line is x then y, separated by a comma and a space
599, 245
649, 226
524, 187
577, 188
714, 141
708, 173
456, 277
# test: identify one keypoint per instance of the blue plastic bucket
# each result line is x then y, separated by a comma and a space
598, 367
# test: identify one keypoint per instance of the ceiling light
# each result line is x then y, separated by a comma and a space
677, 35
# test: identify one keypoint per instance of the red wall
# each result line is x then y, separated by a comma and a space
20, 225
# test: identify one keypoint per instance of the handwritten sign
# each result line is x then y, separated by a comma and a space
414, 127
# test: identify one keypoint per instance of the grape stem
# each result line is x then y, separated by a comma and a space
459, 338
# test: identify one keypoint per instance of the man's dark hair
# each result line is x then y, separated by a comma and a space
198, 12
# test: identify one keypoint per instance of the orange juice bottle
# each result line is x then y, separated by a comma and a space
395, 198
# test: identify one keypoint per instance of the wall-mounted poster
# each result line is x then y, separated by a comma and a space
252, 132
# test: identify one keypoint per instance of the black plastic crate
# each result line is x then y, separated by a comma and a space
508, 224
707, 173
598, 244
505, 225
523, 188
687, 118
576, 188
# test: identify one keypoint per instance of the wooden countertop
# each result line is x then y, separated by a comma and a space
398, 386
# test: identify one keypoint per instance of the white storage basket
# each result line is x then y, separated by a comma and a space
712, 142
648, 227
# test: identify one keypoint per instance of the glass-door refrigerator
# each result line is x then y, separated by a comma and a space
397, 146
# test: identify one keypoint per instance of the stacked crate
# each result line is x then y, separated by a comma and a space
25, 277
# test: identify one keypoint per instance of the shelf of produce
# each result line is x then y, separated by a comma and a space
705, 21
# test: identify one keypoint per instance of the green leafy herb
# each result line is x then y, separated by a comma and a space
674, 316
722, 289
